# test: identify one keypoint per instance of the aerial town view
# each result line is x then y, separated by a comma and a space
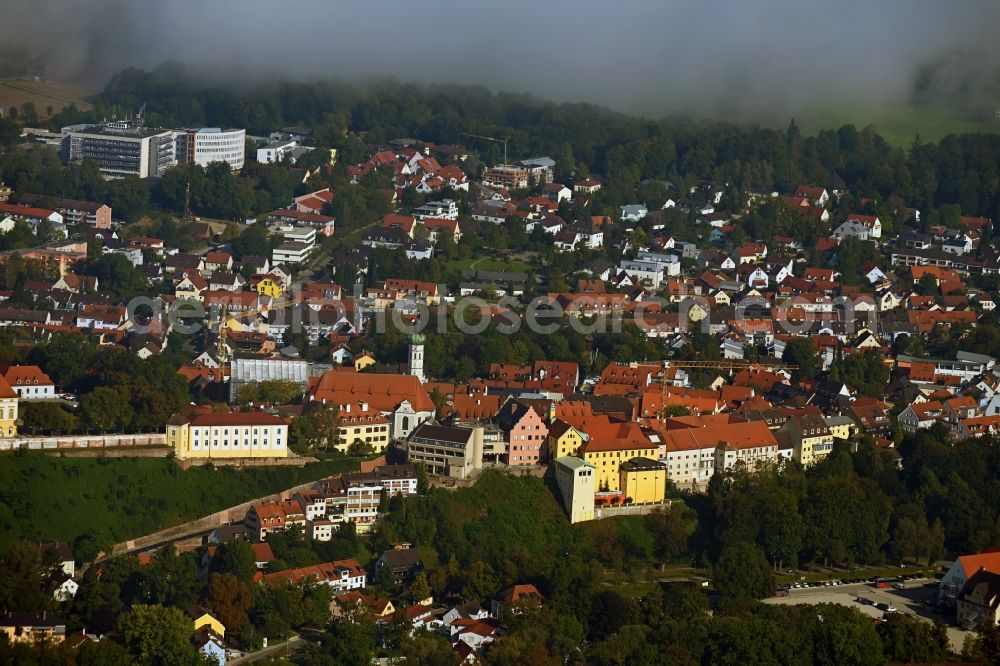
652, 332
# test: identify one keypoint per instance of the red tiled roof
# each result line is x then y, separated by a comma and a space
25, 211
476, 406
236, 419
989, 560
315, 573
737, 435
383, 392
24, 375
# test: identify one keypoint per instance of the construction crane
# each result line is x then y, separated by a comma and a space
494, 140
729, 365
711, 365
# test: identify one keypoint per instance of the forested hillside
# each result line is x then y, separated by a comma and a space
97, 502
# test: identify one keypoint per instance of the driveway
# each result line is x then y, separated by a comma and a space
281, 649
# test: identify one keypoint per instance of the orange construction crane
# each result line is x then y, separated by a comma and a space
729, 365
712, 365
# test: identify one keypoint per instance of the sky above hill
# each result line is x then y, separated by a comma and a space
728, 58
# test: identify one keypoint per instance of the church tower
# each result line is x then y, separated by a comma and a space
416, 365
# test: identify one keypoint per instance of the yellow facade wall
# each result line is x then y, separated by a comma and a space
606, 464
645, 486
8, 417
567, 444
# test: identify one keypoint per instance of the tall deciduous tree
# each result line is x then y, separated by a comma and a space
235, 557
157, 635
229, 598
742, 572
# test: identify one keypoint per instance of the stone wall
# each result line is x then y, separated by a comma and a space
83, 442
190, 530
629, 510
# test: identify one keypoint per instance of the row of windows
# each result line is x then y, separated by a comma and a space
631, 453
246, 444
236, 431
33, 390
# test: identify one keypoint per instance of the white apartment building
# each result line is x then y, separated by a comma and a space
446, 209
293, 252
295, 234
277, 151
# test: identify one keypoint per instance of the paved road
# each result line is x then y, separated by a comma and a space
279, 650
914, 599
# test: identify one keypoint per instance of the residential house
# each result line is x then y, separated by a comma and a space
563, 439
633, 212
30, 628
400, 564
979, 601
218, 261
438, 229
811, 438
962, 570
918, 416
268, 285
203, 619
30, 383
693, 455
516, 597
210, 646
339, 575
525, 431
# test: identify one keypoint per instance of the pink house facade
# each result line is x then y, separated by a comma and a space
526, 433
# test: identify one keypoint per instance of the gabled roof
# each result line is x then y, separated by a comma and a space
236, 419
27, 375
521, 593
318, 573
737, 435
989, 560
469, 407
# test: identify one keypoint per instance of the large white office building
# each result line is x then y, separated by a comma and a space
205, 145
128, 148
120, 148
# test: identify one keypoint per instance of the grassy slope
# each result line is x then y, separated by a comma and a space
898, 125
48, 498
15, 92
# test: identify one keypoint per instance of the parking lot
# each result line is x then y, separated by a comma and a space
916, 597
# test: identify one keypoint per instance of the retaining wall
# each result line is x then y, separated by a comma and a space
82, 442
